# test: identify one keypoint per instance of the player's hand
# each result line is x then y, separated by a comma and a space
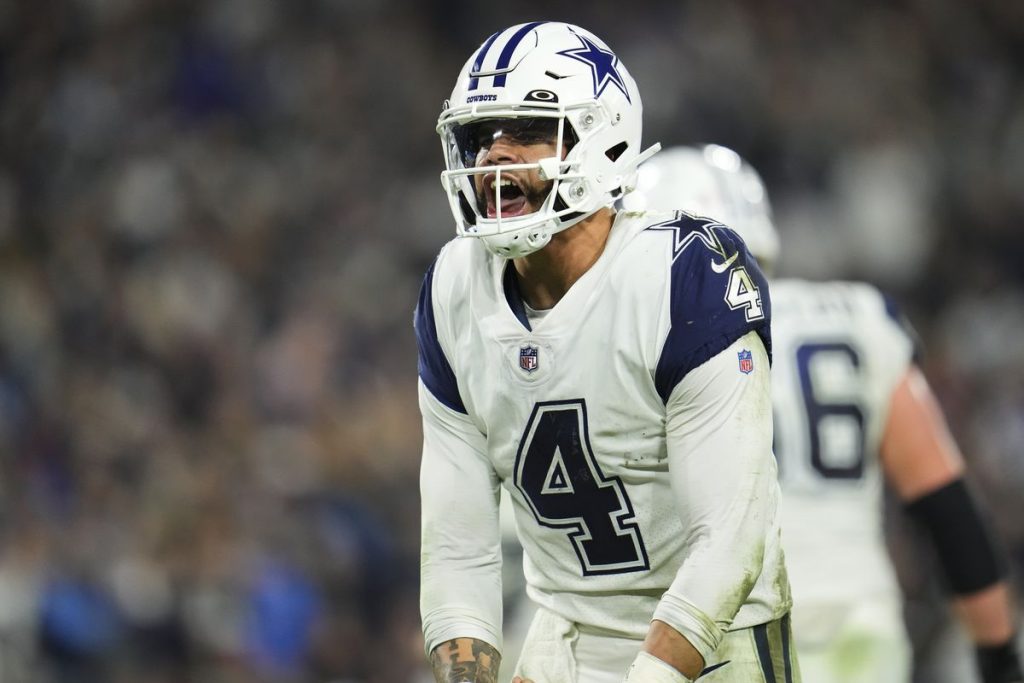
517, 679
1000, 664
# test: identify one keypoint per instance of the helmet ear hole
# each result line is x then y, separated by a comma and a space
560, 206
614, 152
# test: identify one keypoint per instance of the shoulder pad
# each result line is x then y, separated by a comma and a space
718, 294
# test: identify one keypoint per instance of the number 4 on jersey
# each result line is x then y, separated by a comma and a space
559, 477
741, 292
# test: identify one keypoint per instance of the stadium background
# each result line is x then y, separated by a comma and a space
214, 217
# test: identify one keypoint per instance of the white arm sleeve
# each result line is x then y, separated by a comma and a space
719, 434
460, 555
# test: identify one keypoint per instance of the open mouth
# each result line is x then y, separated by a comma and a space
507, 194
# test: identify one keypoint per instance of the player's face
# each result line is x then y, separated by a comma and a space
513, 141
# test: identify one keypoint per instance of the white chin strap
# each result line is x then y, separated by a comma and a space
635, 164
645, 155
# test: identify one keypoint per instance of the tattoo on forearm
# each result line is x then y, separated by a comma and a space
465, 660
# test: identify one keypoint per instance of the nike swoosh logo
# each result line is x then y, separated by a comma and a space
708, 670
720, 267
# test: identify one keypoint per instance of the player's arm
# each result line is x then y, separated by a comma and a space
719, 433
465, 659
924, 466
460, 561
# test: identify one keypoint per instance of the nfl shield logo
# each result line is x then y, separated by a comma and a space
528, 358
746, 362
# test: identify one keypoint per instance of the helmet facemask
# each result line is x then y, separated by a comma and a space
484, 211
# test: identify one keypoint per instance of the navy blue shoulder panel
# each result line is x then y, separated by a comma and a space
433, 366
718, 294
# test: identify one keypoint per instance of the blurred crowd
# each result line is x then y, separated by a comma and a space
214, 218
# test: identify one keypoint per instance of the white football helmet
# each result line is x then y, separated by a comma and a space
540, 81
711, 181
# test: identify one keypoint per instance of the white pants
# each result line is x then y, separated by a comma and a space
556, 651
865, 643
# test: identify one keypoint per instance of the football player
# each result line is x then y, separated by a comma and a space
852, 411
611, 371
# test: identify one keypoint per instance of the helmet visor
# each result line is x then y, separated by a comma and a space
469, 142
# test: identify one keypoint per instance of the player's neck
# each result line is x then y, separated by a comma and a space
546, 275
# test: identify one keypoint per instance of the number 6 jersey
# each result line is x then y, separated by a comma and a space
631, 426
840, 351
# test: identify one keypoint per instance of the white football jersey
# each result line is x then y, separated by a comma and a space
839, 351
660, 347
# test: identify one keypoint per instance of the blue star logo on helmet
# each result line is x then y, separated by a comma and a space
603, 65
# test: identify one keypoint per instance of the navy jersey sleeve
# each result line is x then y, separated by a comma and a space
433, 366
718, 294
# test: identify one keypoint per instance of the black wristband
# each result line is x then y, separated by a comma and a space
968, 555
999, 663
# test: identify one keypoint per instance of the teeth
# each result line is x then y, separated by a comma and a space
505, 182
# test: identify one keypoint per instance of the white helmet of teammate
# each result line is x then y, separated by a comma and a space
539, 81
711, 181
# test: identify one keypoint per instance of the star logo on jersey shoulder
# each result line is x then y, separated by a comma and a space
603, 65
687, 229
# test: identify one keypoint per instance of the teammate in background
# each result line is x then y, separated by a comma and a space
611, 371
851, 408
